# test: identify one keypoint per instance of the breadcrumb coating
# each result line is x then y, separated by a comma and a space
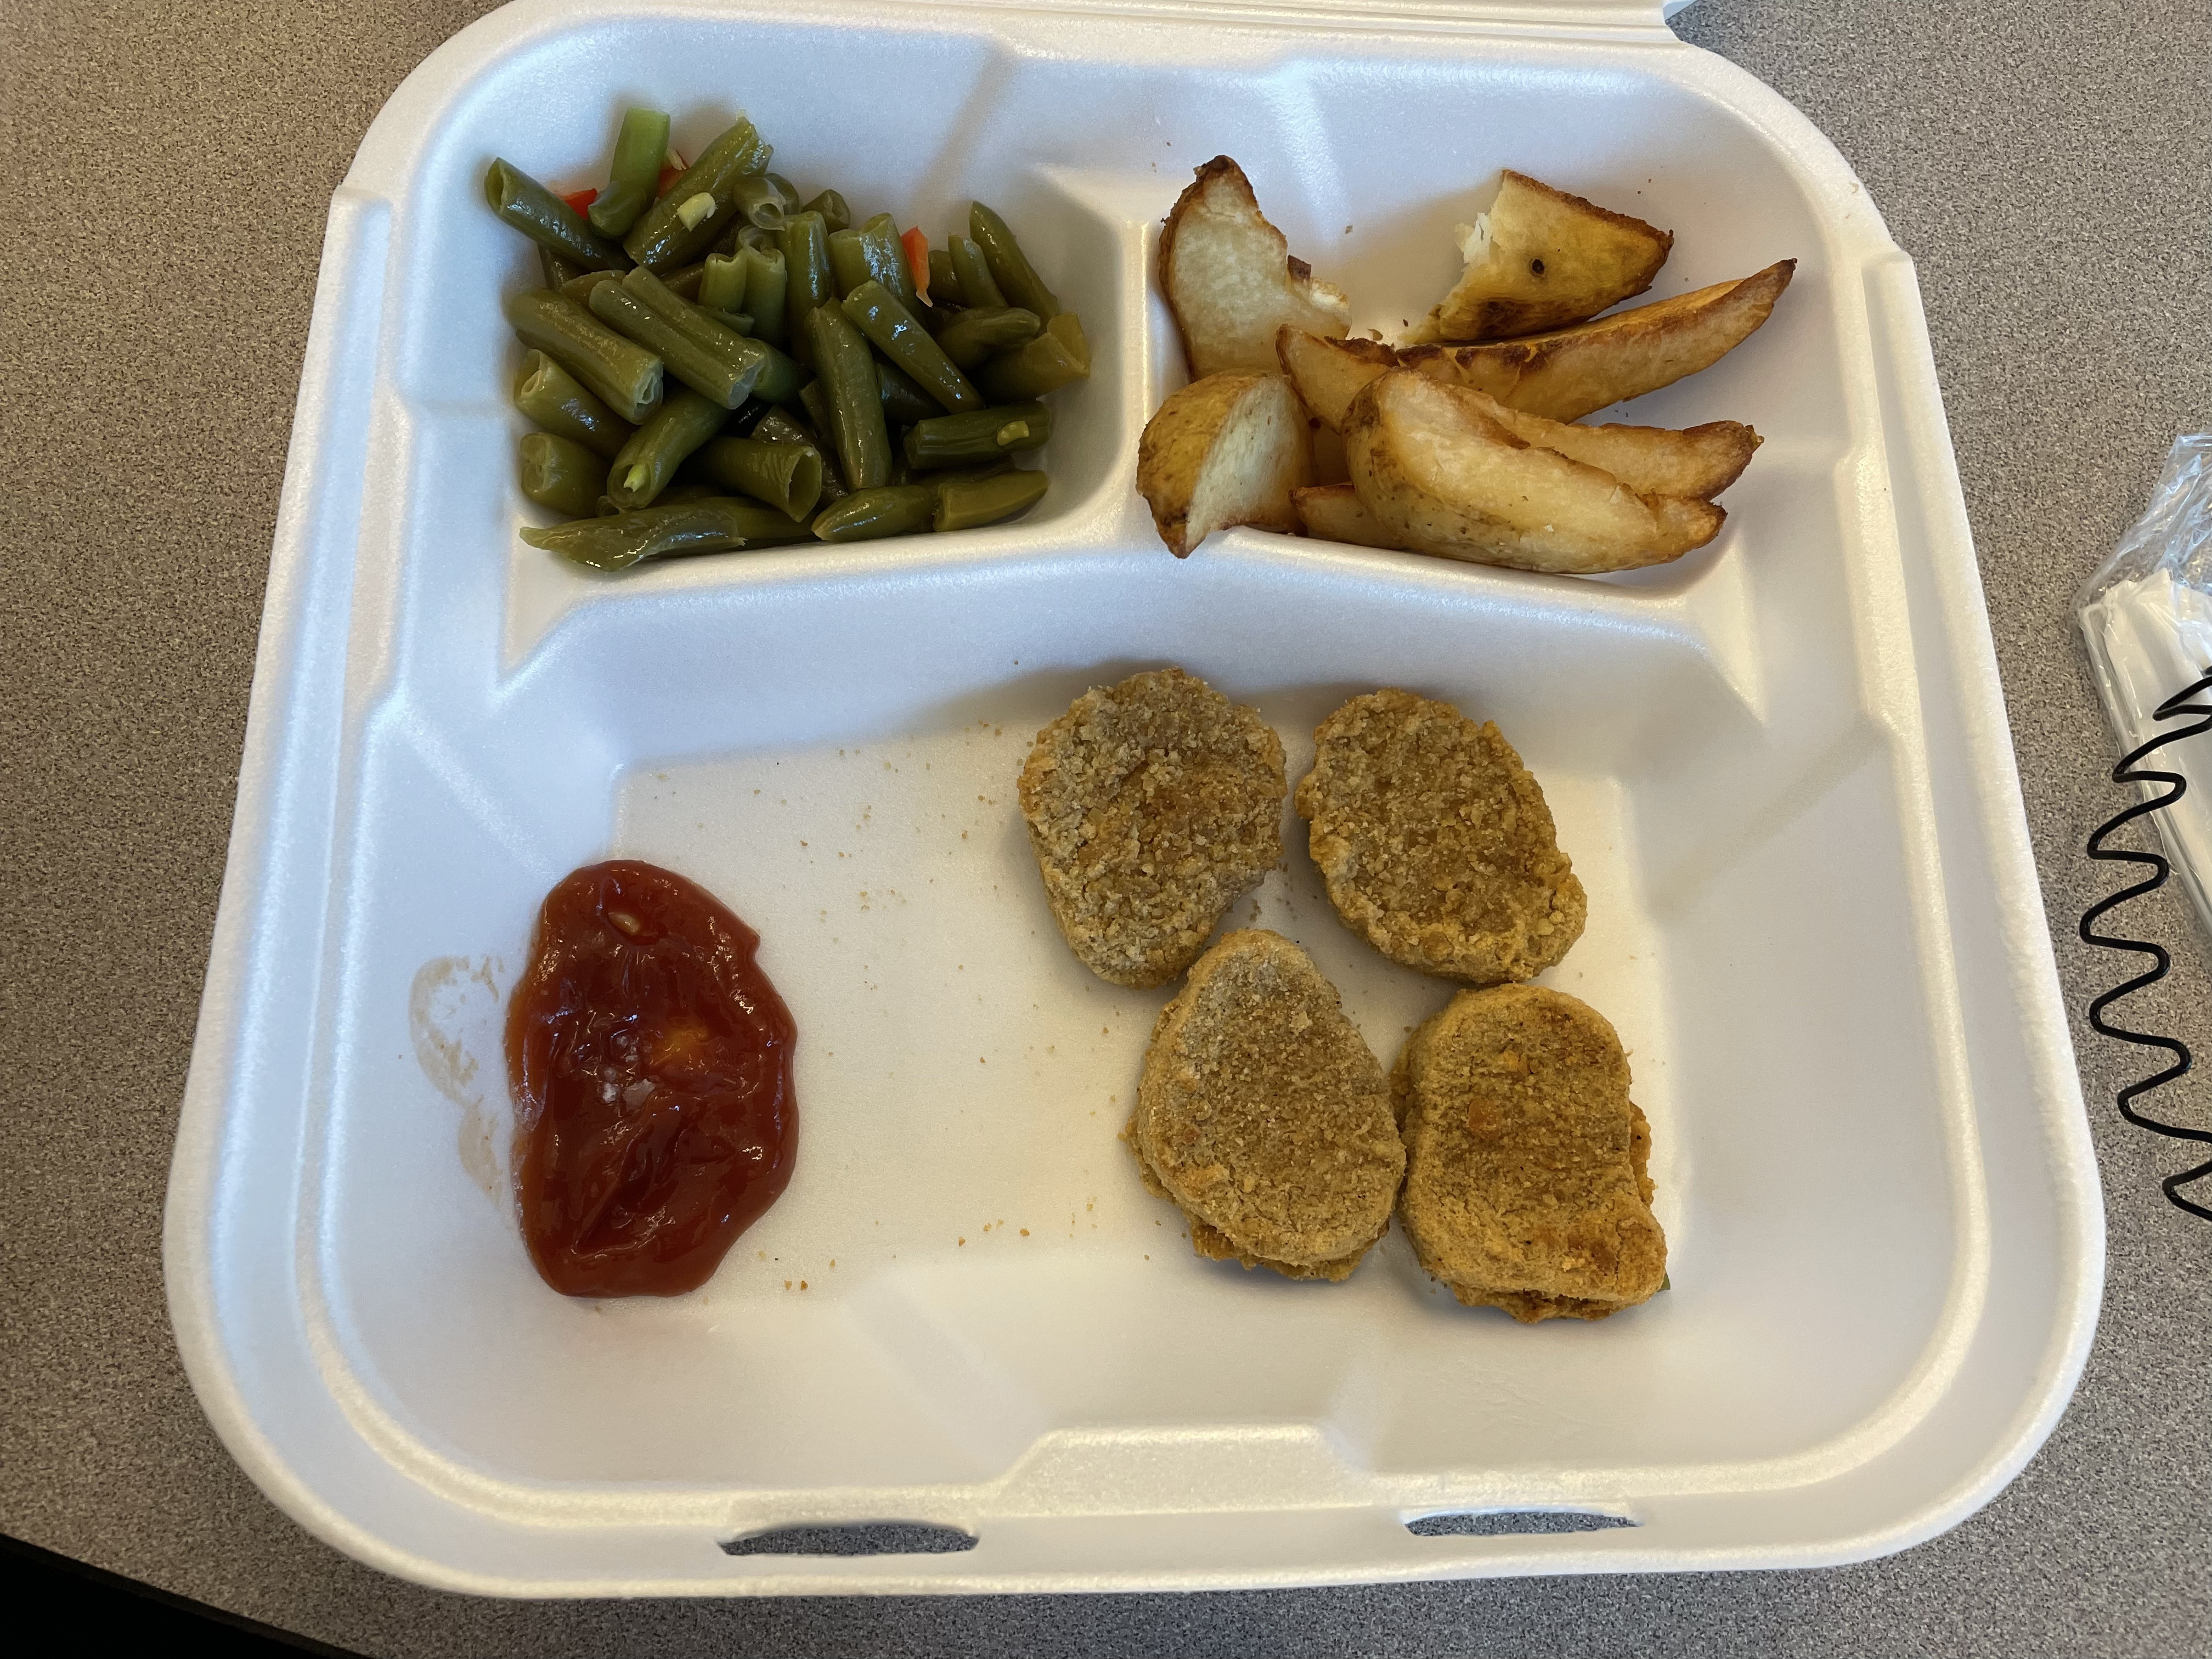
1526, 1180
1152, 806
1263, 1114
1435, 843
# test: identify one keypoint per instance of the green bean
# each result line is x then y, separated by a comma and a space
717, 523
836, 216
785, 189
701, 327
904, 402
807, 278
834, 487
640, 149
813, 428
855, 258
744, 235
557, 401
1056, 357
769, 374
560, 474
973, 270
786, 475
889, 510
814, 399
849, 261
765, 285
678, 495
981, 434
579, 288
965, 503
760, 201
555, 268
887, 253
547, 220
778, 426
944, 281
683, 281
719, 374
1010, 267
890, 327
625, 374
722, 283
780, 375
664, 236
648, 461
855, 405
972, 336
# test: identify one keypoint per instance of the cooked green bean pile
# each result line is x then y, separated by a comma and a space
713, 364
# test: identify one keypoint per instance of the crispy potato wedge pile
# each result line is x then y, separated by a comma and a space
1230, 279
1465, 444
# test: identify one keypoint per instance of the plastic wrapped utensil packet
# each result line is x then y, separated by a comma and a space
2146, 618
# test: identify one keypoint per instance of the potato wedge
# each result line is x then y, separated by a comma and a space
1230, 279
1226, 450
1568, 374
1331, 512
1543, 259
1329, 373
1440, 474
1696, 463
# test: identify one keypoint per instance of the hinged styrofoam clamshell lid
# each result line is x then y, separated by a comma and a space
1781, 766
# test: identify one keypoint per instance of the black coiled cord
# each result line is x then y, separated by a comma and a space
2131, 770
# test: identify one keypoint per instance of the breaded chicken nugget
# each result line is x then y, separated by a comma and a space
1264, 1116
1436, 844
1214, 1245
1152, 806
1526, 1183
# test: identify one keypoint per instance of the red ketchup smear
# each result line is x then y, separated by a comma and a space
650, 1064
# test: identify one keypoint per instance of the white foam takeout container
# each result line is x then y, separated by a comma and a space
1781, 766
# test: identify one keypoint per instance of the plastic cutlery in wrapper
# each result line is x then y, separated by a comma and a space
2146, 621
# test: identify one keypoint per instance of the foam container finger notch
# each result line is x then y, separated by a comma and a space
1780, 767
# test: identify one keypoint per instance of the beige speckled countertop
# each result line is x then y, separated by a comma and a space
166, 171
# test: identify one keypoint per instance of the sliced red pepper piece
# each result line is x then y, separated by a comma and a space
916, 244
581, 199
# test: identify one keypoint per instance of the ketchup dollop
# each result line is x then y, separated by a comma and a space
651, 1063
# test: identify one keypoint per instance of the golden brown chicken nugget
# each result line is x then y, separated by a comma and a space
1435, 841
1526, 1186
1152, 806
1263, 1114
1212, 1242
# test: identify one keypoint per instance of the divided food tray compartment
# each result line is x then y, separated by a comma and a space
1781, 766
